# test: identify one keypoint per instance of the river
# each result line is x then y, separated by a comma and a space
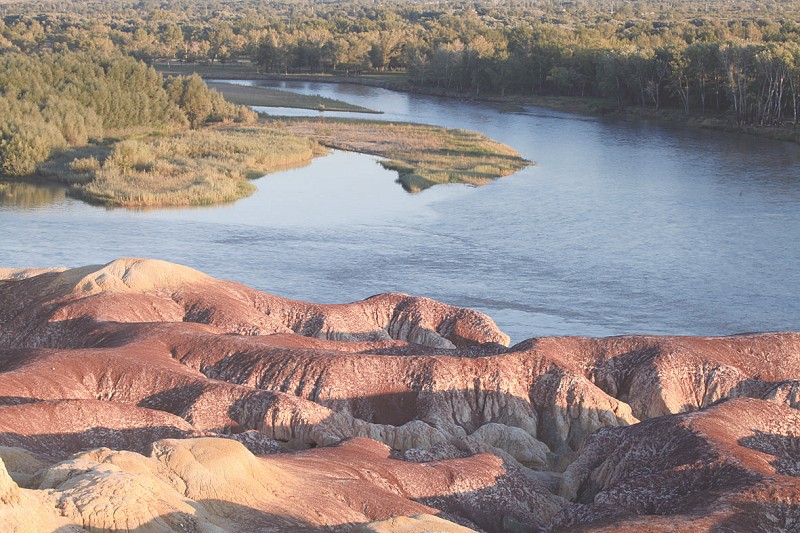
621, 227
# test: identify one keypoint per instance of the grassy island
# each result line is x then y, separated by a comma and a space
422, 155
194, 167
266, 97
117, 133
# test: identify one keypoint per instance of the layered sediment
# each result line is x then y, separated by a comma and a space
219, 406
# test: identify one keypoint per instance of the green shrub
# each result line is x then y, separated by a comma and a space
23, 146
85, 165
131, 155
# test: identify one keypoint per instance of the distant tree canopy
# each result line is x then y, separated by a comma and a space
736, 56
56, 100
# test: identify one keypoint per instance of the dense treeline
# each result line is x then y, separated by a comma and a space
737, 57
50, 101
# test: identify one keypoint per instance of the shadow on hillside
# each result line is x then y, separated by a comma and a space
61, 445
226, 515
785, 448
763, 516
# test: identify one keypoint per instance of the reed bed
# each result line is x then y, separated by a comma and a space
196, 167
422, 155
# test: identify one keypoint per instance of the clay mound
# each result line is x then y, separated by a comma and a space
732, 465
420, 523
657, 376
412, 407
59, 428
42, 310
474, 491
212, 484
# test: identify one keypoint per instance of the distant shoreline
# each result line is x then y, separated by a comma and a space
568, 104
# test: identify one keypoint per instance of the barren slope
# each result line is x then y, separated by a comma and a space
125, 355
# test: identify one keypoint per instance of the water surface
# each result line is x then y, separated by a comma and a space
620, 228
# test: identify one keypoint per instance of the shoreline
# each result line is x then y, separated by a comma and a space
586, 106
423, 156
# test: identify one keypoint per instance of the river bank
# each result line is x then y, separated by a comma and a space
396, 81
265, 97
182, 170
423, 156
568, 104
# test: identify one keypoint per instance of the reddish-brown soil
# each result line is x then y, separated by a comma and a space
218, 406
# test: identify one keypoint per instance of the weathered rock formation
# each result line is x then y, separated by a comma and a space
732, 467
186, 377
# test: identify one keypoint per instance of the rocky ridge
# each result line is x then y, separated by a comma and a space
150, 376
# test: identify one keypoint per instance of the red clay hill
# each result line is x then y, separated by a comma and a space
146, 396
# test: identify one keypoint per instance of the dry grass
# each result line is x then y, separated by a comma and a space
262, 96
422, 155
209, 166
197, 167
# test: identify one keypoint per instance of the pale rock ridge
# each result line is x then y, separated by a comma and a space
16, 274
155, 291
421, 523
9, 491
20, 464
26, 511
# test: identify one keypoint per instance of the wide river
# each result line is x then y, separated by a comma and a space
621, 227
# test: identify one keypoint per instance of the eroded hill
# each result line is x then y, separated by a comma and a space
142, 394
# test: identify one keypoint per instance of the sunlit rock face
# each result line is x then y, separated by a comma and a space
218, 406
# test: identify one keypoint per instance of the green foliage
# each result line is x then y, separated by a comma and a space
54, 100
131, 155
85, 165
25, 145
202, 105
737, 56
194, 99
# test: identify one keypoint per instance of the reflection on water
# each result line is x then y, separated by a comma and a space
28, 195
622, 227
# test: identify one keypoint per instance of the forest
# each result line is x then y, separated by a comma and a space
66, 99
740, 59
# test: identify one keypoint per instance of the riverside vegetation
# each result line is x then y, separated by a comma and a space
265, 97
422, 155
120, 134
733, 62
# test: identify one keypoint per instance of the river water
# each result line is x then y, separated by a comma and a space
621, 227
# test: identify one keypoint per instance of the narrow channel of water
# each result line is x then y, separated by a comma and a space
620, 228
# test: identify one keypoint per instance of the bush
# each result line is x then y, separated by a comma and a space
131, 155
23, 146
85, 165
193, 167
